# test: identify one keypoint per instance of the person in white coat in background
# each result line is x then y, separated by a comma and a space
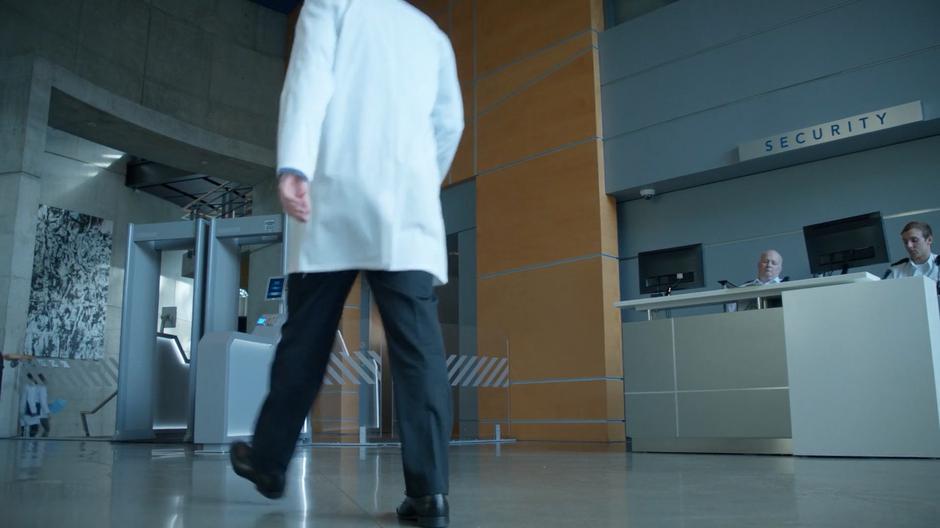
34, 407
370, 118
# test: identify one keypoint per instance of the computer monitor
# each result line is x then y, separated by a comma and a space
845, 243
677, 268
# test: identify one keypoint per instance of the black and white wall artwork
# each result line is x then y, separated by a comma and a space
69, 294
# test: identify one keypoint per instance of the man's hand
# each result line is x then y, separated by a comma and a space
295, 198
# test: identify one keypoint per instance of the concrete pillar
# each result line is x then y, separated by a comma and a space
24, 108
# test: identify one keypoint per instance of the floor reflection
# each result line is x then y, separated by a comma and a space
70, 483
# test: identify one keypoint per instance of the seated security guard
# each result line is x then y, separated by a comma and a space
921, 261
769, 267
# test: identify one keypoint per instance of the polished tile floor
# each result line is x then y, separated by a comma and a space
56, 483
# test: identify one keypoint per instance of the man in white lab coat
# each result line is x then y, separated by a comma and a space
370, 118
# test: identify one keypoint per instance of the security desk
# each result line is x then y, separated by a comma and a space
849, 366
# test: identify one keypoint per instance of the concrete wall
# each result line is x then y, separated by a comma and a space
684, 85
200, 79
70, 179
217, 64
735, 220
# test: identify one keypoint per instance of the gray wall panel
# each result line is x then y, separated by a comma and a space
704, 351
647, 349
735, 261
741, 414
803, 52
708, 139
684, 85
650, 415
735, 220
695, 27
459, 207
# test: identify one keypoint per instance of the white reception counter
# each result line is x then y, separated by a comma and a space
849, 366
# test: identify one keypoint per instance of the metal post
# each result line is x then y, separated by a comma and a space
376, 395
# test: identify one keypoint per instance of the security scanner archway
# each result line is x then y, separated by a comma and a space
226, 238
156, 380
233, 368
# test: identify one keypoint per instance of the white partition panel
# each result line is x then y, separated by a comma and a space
863, 364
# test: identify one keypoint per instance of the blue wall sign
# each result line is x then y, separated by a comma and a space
275, 288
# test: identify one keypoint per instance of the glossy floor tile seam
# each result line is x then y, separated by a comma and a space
54, 483
337, 485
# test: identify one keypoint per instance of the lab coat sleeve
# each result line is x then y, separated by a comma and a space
447, 115
308, 86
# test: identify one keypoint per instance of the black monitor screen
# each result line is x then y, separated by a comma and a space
675, 268
845, 243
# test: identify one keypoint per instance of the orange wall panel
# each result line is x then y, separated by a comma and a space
590, 432
540, 211
493, 403
553, 318
437, 10
349, 326
553, 112
461, 37
508, 30
582, 400
355, 293
613, 347
503, 82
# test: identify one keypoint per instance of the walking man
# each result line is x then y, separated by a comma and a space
370, 118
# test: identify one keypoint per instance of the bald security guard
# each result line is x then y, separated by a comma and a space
769, 266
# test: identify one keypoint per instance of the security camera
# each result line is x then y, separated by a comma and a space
648, 194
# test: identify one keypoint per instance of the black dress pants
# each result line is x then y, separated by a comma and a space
408, 307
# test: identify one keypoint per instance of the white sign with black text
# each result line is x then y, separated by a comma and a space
832, 131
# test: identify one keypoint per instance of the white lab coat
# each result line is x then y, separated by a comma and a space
33, 404
371, 113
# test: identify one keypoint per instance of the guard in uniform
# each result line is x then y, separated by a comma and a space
921, 260
906, 268
769, 266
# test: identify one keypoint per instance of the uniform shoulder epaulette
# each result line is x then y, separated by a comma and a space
904, 260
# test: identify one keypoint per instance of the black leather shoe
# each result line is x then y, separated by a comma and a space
271, 485
430, 511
